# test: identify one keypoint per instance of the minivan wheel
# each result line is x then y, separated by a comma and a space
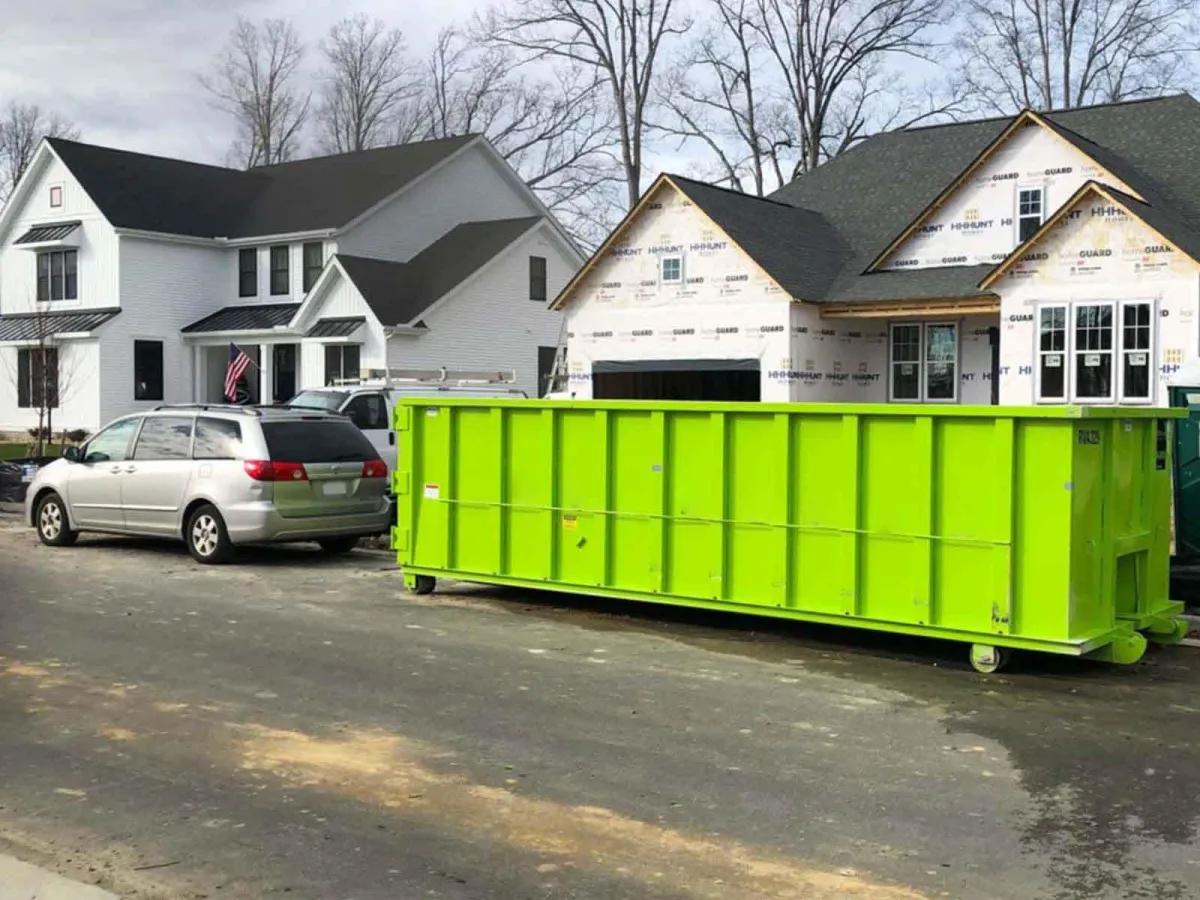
207, 539
53, 526
336, 546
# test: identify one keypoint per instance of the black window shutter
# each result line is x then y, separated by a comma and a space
24, 371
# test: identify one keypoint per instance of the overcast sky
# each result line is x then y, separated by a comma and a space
125, 70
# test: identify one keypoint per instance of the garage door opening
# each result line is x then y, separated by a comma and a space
678, 379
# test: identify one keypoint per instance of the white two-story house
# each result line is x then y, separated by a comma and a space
1044, 258
130, 276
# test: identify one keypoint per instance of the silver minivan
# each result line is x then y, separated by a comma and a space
215, 477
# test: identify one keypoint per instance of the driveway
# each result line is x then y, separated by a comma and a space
297, 726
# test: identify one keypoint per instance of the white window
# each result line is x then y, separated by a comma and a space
671, 268
1052, 353
1137, 351
924, 362
1030, 207
1093, 351
56, 196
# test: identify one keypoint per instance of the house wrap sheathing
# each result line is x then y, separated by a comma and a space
1025, 259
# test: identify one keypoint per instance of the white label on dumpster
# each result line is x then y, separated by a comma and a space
431, 411
1091, 359
432, 492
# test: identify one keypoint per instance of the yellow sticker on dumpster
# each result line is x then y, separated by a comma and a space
570, 523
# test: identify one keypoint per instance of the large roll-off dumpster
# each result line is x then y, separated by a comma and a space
1042, 529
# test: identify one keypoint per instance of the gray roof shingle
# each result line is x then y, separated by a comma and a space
35, 326
398, 293
799, 248
246, 317
958, 282
173, 196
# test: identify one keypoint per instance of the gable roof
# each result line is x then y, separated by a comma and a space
872, 192
1169, 226
797, 247
171, 196
399, 293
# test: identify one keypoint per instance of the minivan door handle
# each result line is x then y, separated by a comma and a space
131, 468
116, 470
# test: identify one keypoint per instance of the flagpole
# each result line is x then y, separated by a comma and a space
251, 361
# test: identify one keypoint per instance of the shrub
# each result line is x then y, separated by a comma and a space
78, 435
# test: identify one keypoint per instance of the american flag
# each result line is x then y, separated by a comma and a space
238, 363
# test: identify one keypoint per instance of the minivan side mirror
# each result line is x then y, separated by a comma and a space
71, 454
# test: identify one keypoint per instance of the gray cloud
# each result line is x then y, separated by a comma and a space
125, 70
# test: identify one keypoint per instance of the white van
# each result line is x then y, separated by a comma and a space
370, 401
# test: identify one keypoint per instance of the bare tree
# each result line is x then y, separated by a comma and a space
44, 372
367, 78
836, 61
555, 129
255, 79
620, 41
1052, 54
21, 130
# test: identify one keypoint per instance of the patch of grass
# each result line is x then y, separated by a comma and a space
21, 449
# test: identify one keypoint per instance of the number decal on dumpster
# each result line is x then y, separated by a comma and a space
1089, 436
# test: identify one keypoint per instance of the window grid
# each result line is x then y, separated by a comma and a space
672, 269
1052, 351
1029, 212
1137, 339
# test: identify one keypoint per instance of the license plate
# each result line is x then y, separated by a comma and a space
334, 488
27, 473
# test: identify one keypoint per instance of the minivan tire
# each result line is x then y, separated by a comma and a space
206, 536
52, 523
336, 546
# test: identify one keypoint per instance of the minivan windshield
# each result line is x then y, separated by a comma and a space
322, 441
330, 400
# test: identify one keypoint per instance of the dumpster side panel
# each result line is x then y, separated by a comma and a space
529, 487
1091, 594
582, 528
1042, 502
696, 504
757, 508
430, 478
824, 464
477, 478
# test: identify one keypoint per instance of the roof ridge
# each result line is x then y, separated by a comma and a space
466, 138
1003, 117
138, 153
737, 193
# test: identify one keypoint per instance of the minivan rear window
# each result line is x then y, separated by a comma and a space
317, 441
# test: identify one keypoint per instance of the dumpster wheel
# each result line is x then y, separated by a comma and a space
988, 659
1171, 631
423, 584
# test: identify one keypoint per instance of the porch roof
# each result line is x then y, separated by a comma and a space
244, 317
335, 327
34, 326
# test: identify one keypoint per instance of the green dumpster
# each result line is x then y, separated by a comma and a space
1032, 528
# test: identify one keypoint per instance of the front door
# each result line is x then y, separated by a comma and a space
94, 487
283, 369
157, 476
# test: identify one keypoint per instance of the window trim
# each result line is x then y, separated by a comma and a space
61, 201
250, 253
1038, 353
1113, 351
162, 361
341, 348
543, 278
1121, 351
662, 262
64, 253
27, 384
305, 269
923, 362
1041, 189
284, 272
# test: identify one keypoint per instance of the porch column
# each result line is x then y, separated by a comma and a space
199, 374
266, 378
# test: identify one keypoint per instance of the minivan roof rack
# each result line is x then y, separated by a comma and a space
219, 407
440, 376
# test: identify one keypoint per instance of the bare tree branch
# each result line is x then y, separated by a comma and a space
555, 130
620, 41
254, 79
1054, 54
21, 130
367, 78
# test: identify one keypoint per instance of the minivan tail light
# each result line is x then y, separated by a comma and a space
267, 470
374, 468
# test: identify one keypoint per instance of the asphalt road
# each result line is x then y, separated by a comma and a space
295, 726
